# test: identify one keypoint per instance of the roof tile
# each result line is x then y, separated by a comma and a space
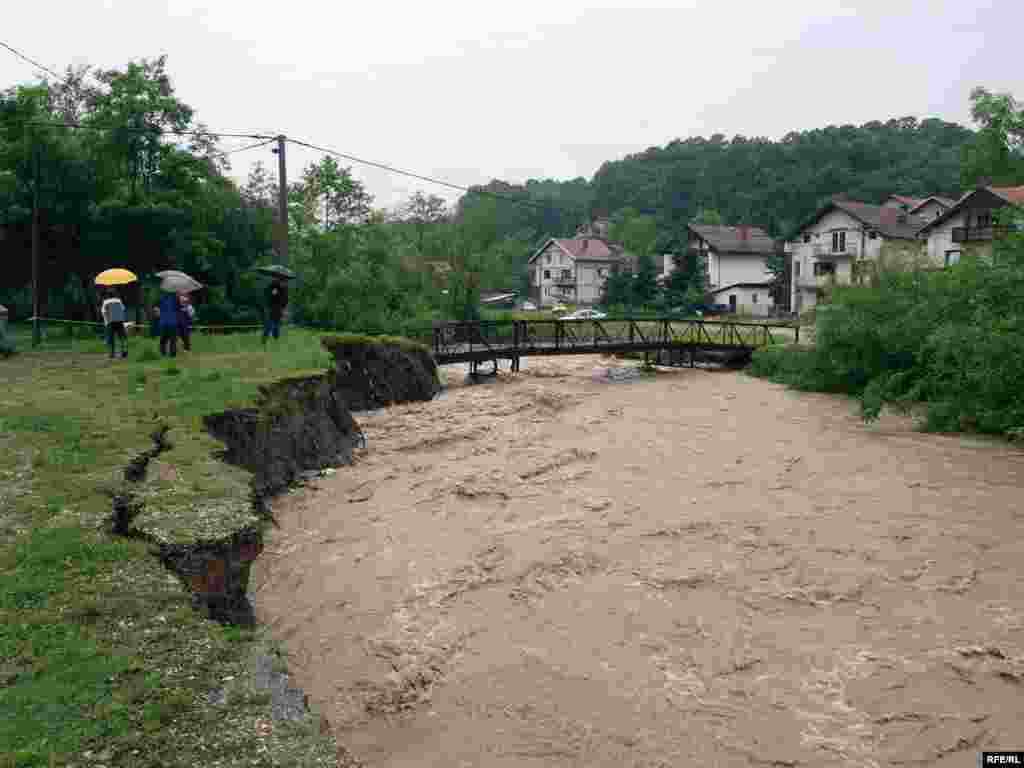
731, 239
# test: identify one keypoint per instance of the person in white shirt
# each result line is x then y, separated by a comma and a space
113, 318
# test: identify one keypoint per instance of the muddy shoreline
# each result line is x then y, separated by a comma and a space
555, 570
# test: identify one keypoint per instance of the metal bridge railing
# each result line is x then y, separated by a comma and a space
523, 337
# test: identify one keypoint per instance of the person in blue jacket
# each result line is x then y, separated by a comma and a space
169, 324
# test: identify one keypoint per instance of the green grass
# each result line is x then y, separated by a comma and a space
333, 340
100, 650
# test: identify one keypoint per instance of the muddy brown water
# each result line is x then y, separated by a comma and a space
699, 569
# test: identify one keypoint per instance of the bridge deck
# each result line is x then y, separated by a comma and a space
493, 341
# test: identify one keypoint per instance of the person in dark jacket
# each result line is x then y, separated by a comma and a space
277, 300
169, 324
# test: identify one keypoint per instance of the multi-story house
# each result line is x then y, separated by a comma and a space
736, 265
574, 269
970, 225
846, 241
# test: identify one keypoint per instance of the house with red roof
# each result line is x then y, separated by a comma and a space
971, 224
574, 269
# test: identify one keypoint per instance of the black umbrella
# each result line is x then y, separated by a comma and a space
276, 270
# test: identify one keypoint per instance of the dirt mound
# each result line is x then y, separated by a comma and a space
372, 373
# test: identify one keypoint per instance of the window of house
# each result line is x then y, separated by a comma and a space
796, 268
567, 274
985, 219
952, 257
547, 258
839, 242
547, 274
807, 238
822, 268
753, 298
872, 235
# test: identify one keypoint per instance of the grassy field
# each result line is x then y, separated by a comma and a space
102, 659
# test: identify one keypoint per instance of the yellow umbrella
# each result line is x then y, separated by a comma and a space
115, 276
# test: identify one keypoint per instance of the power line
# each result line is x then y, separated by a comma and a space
441, 182
34, 63
251, 146
154, 129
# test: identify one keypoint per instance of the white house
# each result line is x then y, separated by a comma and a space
574, 269
969, 225
735, 263
846, 241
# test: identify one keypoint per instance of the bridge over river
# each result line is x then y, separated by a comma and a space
664, 341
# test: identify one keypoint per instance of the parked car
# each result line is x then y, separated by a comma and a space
528, 306
584, 314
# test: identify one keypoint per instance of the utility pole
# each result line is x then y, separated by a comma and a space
36, 335
282, 200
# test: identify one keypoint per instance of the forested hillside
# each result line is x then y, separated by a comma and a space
773, 184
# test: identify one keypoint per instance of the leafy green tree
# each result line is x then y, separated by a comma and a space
996, 154
618, 289
779, 267
645, 282
423, 212
328, 196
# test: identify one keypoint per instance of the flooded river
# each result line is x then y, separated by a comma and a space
699, 568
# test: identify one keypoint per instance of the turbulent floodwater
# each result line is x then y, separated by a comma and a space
697, 569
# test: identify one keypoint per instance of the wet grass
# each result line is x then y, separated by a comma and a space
102, 659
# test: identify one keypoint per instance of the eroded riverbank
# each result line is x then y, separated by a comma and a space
700, 568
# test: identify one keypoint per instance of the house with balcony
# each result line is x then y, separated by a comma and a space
736, 265
971, 225
847, 241
574, 269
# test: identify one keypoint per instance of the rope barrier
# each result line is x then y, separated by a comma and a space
128, 323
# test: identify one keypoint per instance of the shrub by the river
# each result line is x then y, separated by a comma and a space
950, 339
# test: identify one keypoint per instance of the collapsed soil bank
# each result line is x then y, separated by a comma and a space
296, 426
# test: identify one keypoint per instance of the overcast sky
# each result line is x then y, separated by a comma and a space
475, 90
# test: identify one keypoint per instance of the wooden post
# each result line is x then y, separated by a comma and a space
282, 202
36, 333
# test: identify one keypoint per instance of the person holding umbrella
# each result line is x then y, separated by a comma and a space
173, 282
112, 309
277, 298
113, 313
168, 324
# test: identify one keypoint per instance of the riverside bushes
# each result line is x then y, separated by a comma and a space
952, 340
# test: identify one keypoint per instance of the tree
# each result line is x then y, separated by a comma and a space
327, 196
779, 266
618, 289
996, 154
645, 282
126, 194
635, 231
424, 211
